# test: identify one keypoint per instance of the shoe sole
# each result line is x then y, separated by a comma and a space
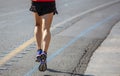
43, 65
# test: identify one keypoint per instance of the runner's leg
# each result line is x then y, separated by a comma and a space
38, 30
47, 20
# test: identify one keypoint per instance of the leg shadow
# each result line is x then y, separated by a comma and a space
56, 71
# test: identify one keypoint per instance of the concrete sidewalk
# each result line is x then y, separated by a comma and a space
106, 59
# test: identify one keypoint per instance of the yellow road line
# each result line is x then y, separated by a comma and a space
16, 51
24, 45
19, 49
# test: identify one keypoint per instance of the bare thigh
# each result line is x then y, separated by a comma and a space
44, 20
47, 21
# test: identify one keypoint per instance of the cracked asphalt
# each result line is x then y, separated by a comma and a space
75, 36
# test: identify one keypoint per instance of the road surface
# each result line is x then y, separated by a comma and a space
77, 31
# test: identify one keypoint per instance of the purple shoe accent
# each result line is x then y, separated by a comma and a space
39, 52
43, 62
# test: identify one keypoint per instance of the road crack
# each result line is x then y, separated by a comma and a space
84, 60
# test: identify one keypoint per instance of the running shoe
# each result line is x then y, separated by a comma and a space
43, 62
39, 52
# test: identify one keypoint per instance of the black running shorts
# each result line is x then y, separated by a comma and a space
43, 7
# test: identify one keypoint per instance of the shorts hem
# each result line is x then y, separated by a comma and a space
43, 8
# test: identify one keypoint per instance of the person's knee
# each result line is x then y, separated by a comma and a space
47, 29
38, 28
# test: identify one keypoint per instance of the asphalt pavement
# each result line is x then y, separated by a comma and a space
73, 43
106, 59
17, 22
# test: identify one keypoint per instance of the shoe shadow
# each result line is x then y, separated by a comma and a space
55, 71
